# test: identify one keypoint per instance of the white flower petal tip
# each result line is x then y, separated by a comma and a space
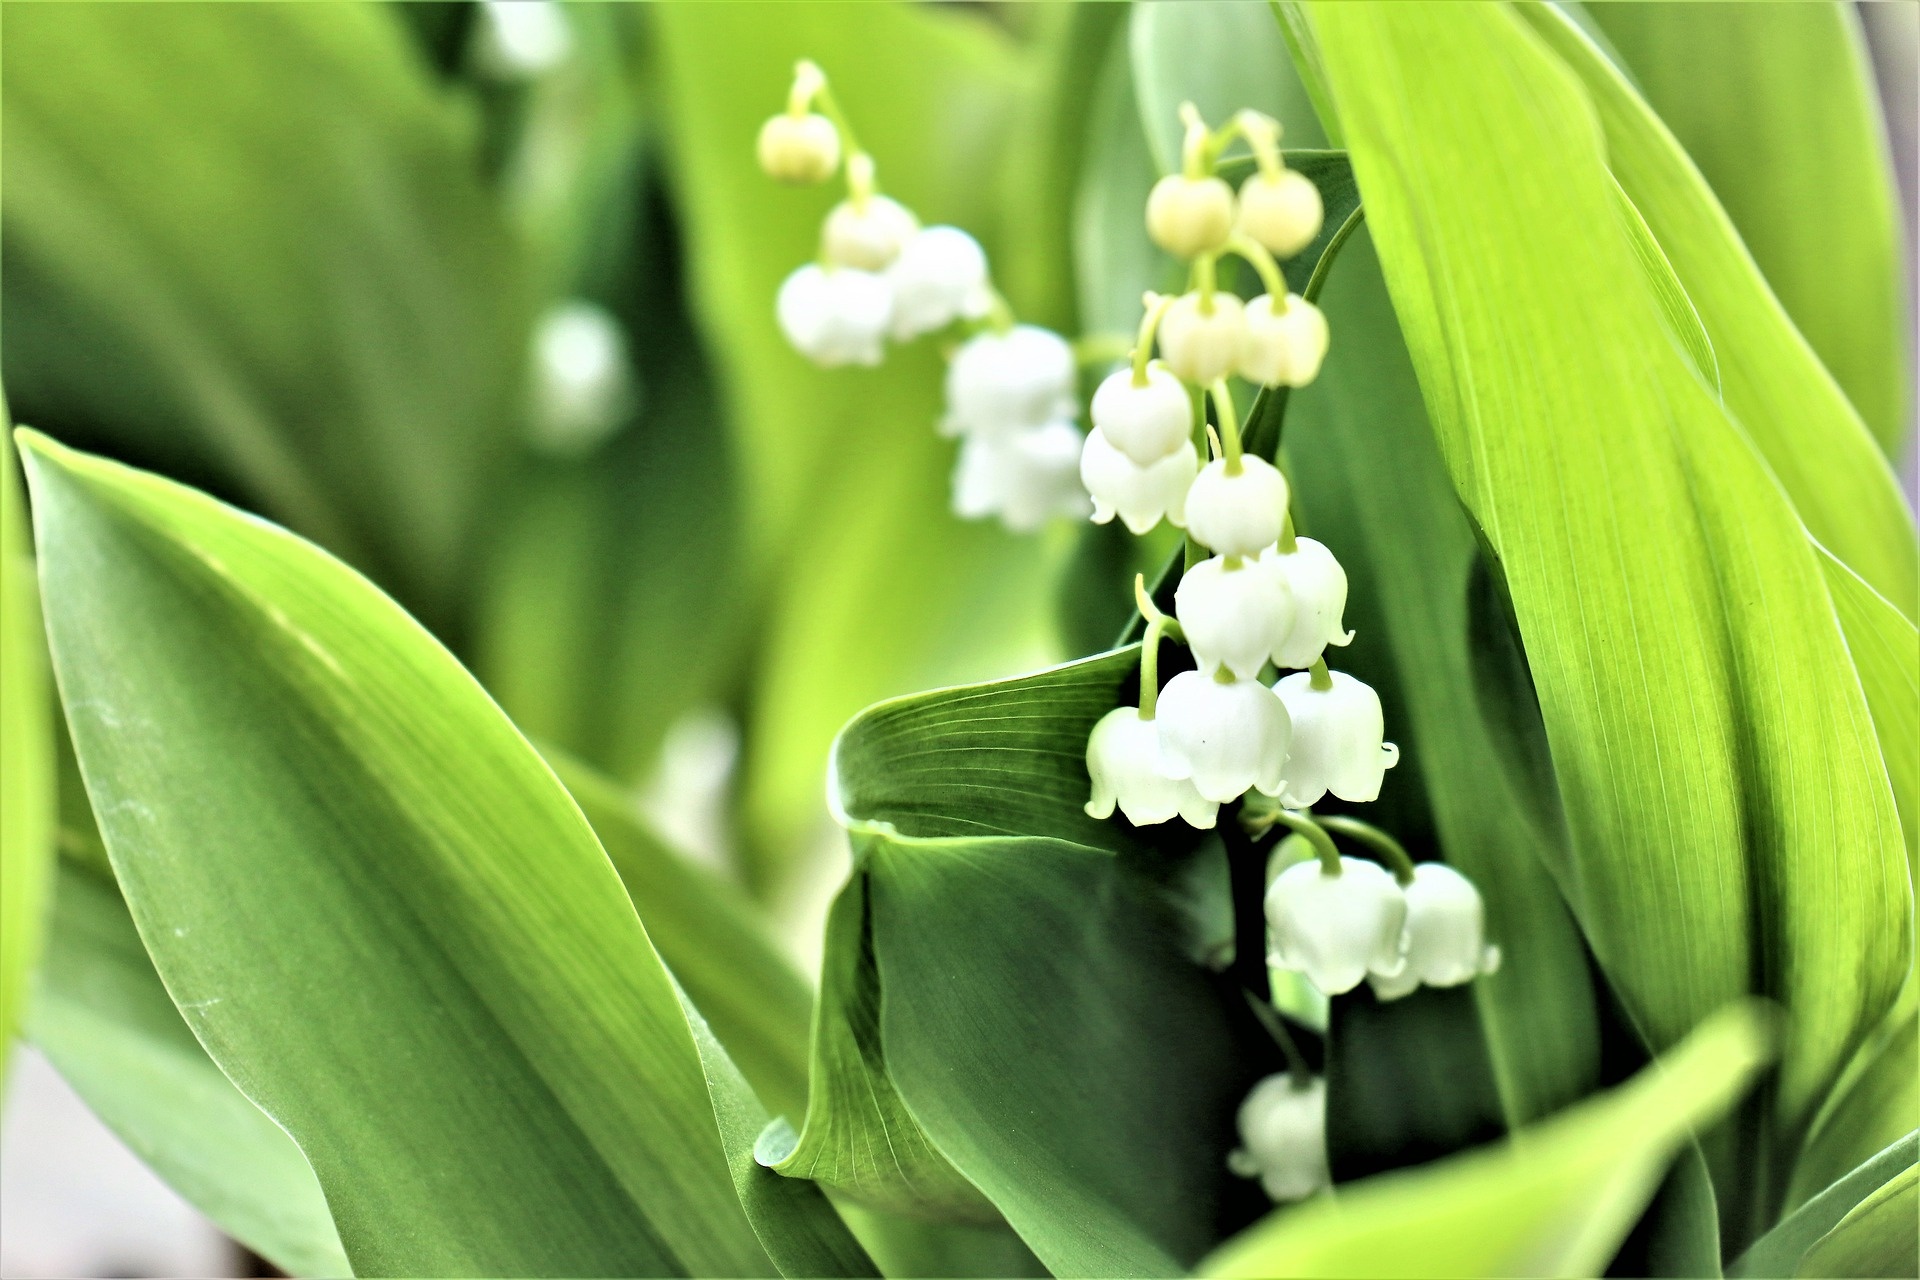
583, 378
1336, 739
1283, 1137
1237, 513
1026, 479
867, 236
1336, 930
1227, 737
1283, 348
1146, 422
1123, 760
801, 150
1284, 212
1233, 613
523, 39
1000, 383
1201, 342
1319, 599
835, 315
1446, 934
1190, 216
939, 277
1140, 496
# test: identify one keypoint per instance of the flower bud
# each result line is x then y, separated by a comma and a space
1282, 212
1336, 739
1225, 737
1446, 943
868, 234
1000, 383
1025, 478
1144, 422
1284, 349
1237, 514
583, 380
1123, 759
1233, 613
1319, 601
1139, 495
1337, 929
1283, 1137
799, 149
1199, 345
522, 39
939, 277
1190, 216
835, 316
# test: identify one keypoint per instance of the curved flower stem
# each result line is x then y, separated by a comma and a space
1247, 887
1391, 851
1276, 1026
1158, 625
1156, 307
1205, 280
1271, 815
1289, 541
1262, 261
1318, 677
1229, 425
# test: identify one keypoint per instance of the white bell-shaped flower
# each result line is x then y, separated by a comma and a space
939, 277
1337, 743
1140, 496
835, 315
1283, 1137
1446, 934
867, 234
522, 39
1337, 929
583, 378
1001, 383
1201, 343
1232, 612
1190, 216
800, 149
1283, 348
1319, 602
1282, 211
1225, 736
1026, 478
1237, 513
1123, 759
1144, 422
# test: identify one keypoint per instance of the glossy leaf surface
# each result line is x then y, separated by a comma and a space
26, 754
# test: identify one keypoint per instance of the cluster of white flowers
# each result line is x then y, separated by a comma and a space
1012, 389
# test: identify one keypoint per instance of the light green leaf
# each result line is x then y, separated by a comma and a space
1557, 1200
1876, 1101
1881, 1237
1886, 653
1780, 1251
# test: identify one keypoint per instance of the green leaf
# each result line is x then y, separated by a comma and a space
1883, 645
1781, 1250
374, 904
1881, 1237
1876, 1102
1554, 1201
1776, 106
107, 1025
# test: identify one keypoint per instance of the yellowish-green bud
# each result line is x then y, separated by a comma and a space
801, 149
1281, 210
1190, 216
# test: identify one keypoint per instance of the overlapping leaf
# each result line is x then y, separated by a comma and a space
1780, 1252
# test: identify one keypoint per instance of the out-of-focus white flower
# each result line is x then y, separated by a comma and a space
521, 39
799, 149
1283, 1137
1001, 383
1123, 759
939, 277
1145, 422
1283, 348
1199, 342
1190, 216
1226, 737
1282, 211
1446, 934
1233, 613
1237, 513
835, 315
583, 380
1336, 739
1336, 929
1025, 478
867, 234
1319, 601
1140, 496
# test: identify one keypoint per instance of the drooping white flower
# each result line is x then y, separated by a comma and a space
1025, 478
1283, 212
1200, 341
1190, 216
799, 149
1144, 422
867, 234
583, 380
521, 39
939, 277
1319, 602
1237, 513
1283, 348
1140, 496
1227, 737
835, 315
1233, 612
1123, 760
1336, 739
1000, 383
1283, 1137
1446, 934
1337, 929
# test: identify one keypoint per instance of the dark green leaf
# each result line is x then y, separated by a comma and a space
1881, 1237
1780, 1251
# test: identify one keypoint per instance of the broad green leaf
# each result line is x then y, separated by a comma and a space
1776, 106
103, 1019
1556, 1200
1679, 1234
1875, 1102
376, 907
250, 244
1779, 1252
1114, 261
1885, 646
1881, 1237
